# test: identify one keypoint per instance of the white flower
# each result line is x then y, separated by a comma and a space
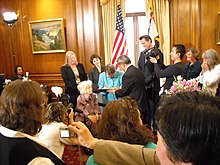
179, 78
7, 81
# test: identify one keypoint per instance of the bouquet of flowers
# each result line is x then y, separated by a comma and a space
182, 85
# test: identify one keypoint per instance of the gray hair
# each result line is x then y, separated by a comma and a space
123, 59
83, 85
212, 56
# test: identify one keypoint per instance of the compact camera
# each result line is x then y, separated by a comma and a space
66, 133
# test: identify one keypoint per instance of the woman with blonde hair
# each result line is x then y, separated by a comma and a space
210, 75
72, 73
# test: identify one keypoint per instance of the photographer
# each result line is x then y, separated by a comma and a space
50, 133
170, 71
152, 83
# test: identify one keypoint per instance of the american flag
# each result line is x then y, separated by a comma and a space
119, 45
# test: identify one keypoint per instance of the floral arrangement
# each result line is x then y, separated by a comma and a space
182, 85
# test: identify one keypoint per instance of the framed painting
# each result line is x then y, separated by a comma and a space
47, 36
218, 30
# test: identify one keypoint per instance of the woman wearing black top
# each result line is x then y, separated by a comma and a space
95, 60
193, 67
72, 73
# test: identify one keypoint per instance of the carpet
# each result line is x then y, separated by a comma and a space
72, 155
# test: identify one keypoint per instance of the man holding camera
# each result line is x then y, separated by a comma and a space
152, 83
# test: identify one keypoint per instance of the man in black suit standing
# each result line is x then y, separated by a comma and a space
152, 82
133, 85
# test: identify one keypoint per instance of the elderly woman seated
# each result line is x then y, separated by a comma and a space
87, 102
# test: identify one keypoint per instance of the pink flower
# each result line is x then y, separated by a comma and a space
182, 85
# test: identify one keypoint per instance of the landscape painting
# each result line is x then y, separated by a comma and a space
47, 36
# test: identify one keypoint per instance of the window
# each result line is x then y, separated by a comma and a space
135, 25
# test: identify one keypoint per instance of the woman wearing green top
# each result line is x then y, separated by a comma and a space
121, 121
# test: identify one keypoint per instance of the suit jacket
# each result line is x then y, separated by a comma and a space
148, 70
133, 85
70, 80
113, 152
94, 77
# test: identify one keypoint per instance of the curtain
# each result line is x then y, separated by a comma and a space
161, 15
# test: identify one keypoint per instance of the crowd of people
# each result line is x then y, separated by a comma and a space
187, 124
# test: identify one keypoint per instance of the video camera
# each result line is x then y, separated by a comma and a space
153, 52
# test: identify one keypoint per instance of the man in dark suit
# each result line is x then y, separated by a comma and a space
152, 82
133, 85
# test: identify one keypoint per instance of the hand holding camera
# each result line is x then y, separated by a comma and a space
153, 52
66, 133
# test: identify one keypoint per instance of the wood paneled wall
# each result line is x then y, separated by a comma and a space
194, 23
83, 32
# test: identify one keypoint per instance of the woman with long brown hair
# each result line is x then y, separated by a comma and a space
121, 122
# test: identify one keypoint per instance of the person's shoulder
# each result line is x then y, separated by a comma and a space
119, 73
198, 62
64, 66
103, 68
41, 160
14, 77
102, 74
217, 66
91, 70
187, 65
80, 64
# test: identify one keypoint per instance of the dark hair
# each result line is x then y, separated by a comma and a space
123, 59
190, 126
95, 56
110, 69
146, 37
120, 122
22, 107
16, 67
55, 112
180, 49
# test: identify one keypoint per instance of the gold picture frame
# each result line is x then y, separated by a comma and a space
218, 29
47, 36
